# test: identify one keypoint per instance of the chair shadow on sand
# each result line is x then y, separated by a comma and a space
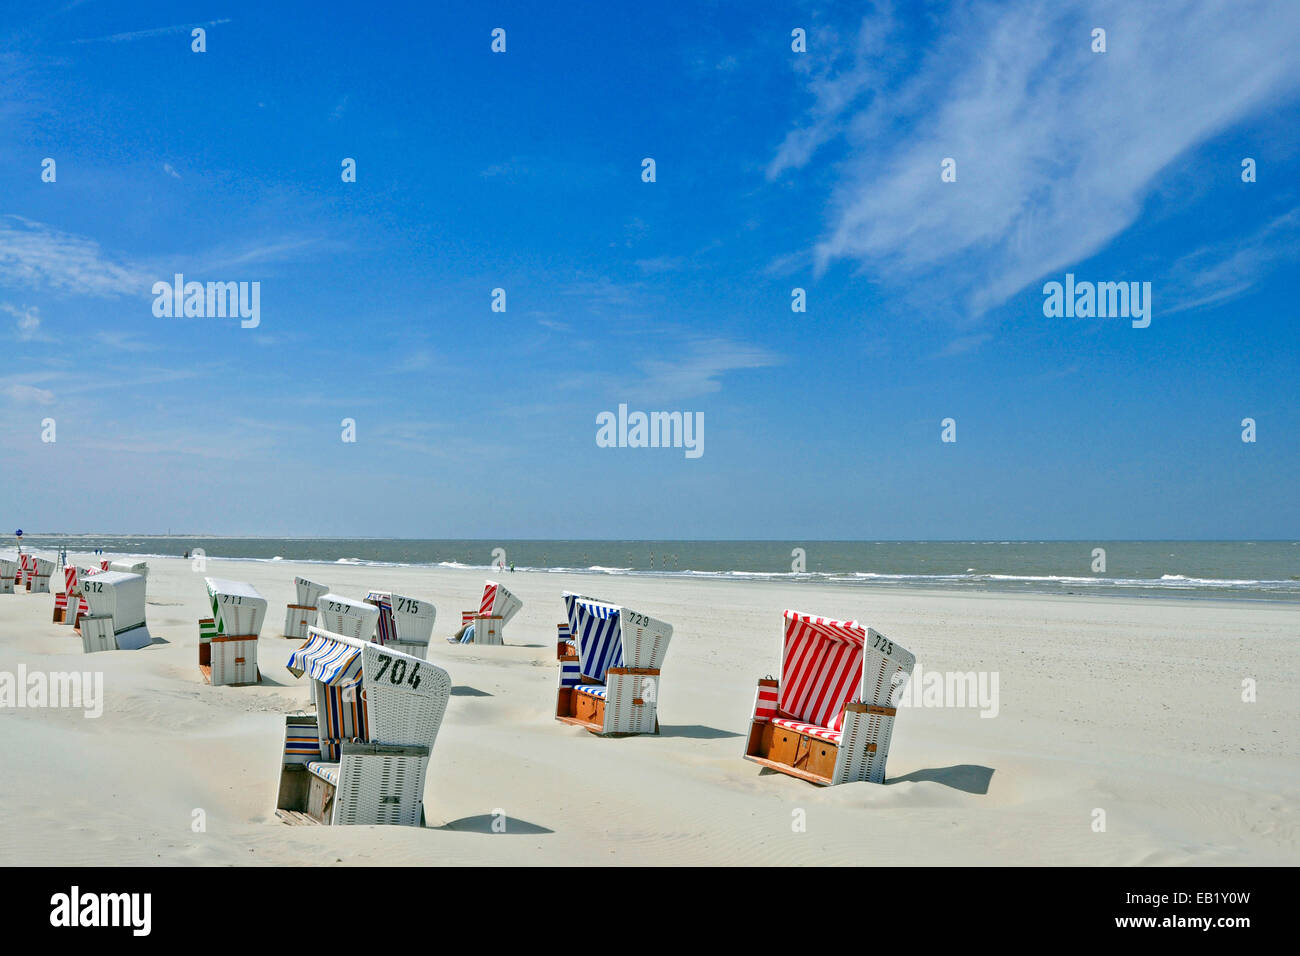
464, 690
967, 777
694, 732
484, 821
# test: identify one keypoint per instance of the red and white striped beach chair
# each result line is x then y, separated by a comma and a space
75, 601
298, 617
364, 757
61, 615
829, 718
611, 686
39, 571
494, 612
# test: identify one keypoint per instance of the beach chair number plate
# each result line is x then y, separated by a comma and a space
95, 587
338, 608
397, 674
407, 606
880, 644
638, 620
232, 599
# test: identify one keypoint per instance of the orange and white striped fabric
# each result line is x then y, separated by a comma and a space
489, 596
821, 668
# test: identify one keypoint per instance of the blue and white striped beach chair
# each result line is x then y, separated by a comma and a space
364, 756
611, 685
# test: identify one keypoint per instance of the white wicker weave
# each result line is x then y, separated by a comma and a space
237, 607
8, 571
408, 622
347, 616
130, 567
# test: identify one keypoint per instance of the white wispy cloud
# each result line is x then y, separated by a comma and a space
1056, 146
151, 32
35, 255
1223, 271
28, 394
27, 321
696, 369
170, 170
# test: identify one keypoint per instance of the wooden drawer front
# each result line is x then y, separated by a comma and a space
584, 706
821, 757
785, 745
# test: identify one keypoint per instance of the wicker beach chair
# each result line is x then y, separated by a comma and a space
347, 616
228, 639
130, 567
9, 570
495, 610
829, 717
38, 575
405, 624
114, 617
298, 617
611, 686
363, 758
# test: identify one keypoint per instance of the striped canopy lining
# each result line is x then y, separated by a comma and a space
599, 636
331, 662
489, 598
335, 670
821, 669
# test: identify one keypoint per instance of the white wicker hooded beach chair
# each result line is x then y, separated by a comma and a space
9, 569
611, 686
829, 717
130, 567
228, 639
298, 617
114, 619
405, 624
347, 616
364, 756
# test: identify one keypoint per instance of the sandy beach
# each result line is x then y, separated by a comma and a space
1131, 707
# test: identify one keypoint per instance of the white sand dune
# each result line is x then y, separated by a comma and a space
1133, 707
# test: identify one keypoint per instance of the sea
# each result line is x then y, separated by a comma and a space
1234, 570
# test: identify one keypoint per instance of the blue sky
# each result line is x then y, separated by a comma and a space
775, 170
